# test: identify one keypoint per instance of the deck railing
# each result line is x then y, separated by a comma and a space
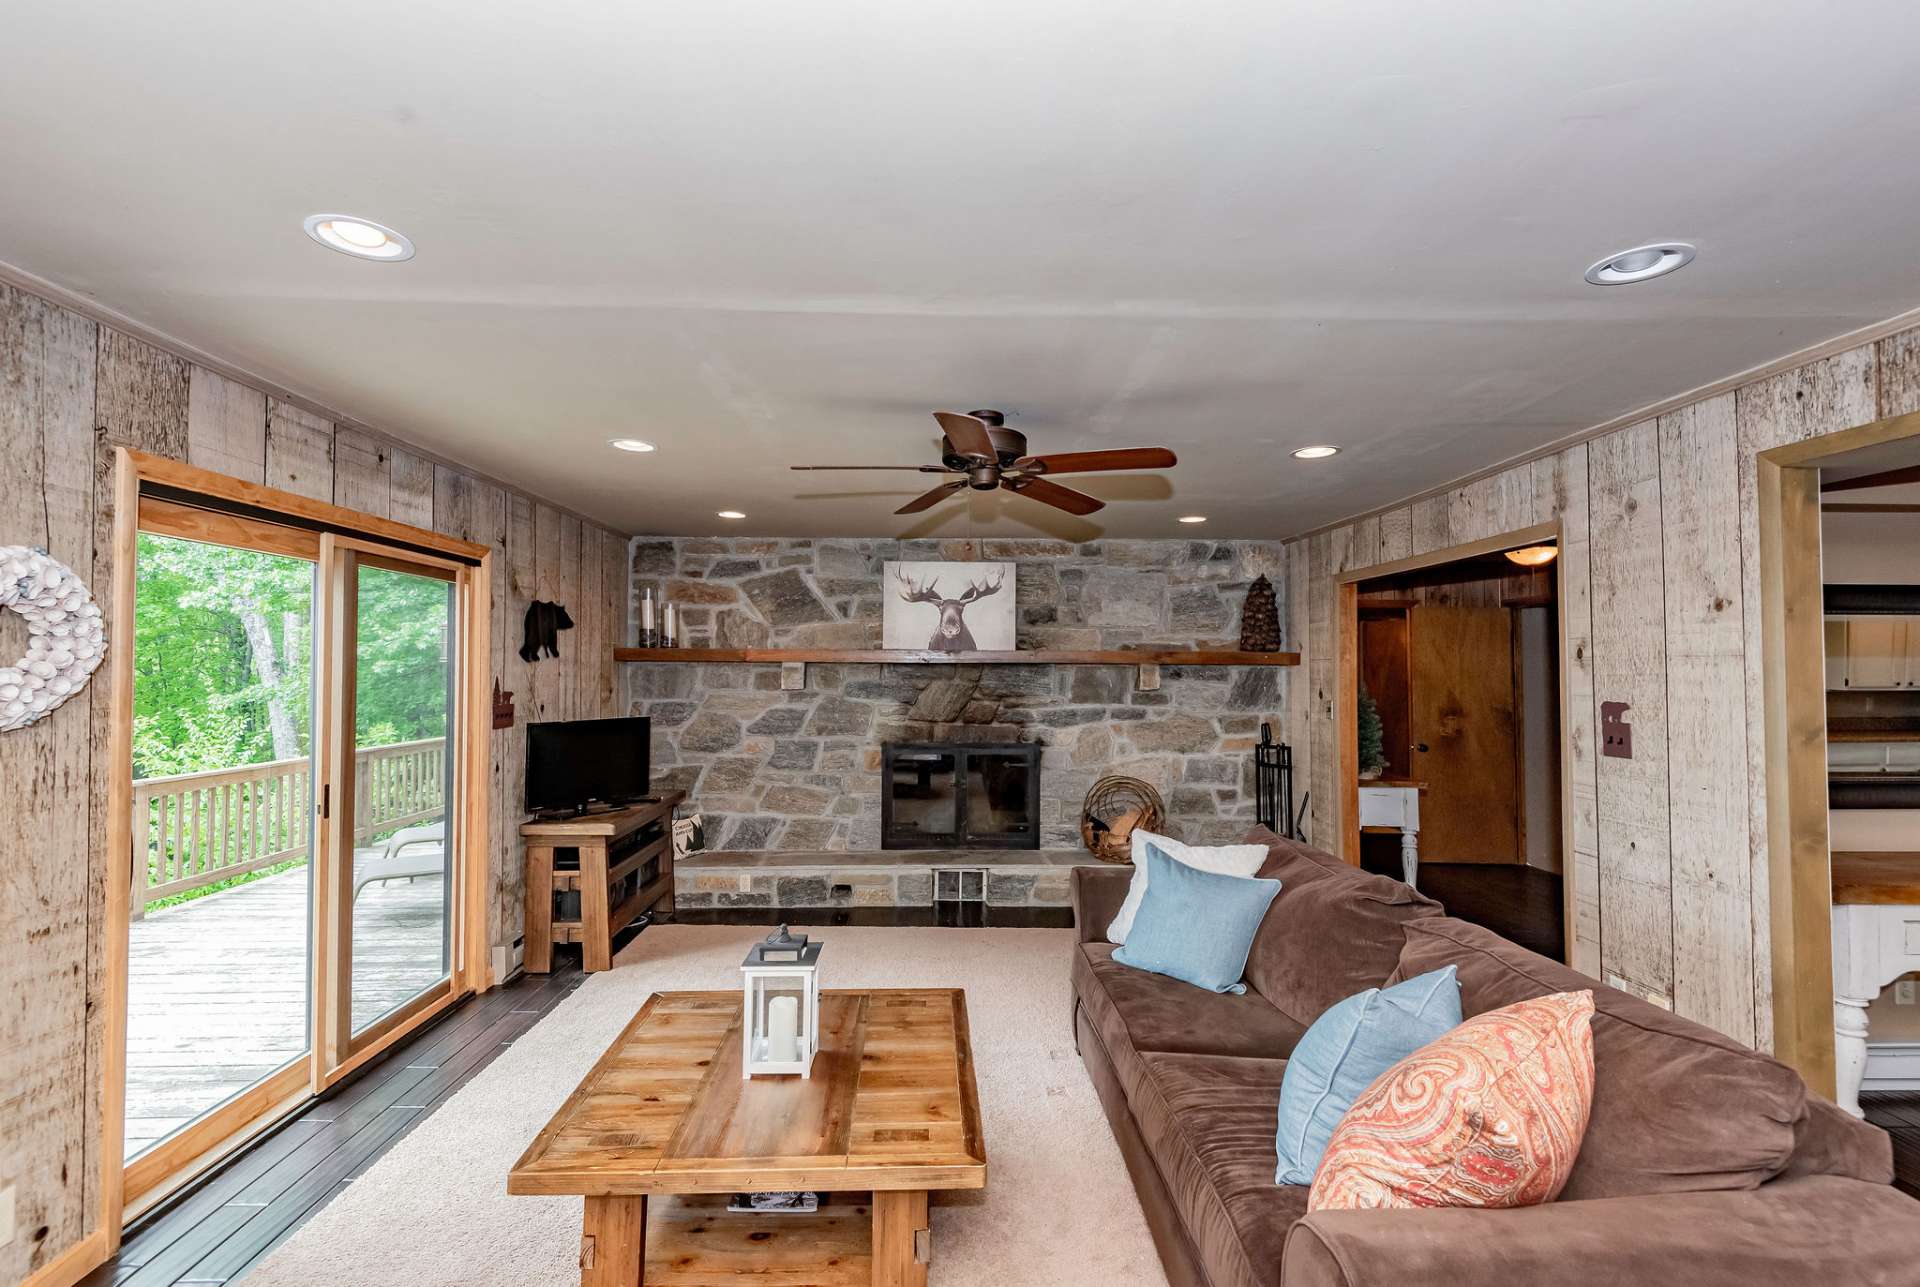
198, 828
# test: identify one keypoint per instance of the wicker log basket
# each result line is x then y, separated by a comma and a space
1114, 807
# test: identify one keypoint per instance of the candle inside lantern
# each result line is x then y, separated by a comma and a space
783, 1029
670, 632
646, 615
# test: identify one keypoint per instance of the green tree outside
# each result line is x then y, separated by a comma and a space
223, 659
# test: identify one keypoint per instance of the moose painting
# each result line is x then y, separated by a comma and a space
949, 607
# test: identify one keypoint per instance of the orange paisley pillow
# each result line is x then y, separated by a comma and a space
1490, 1115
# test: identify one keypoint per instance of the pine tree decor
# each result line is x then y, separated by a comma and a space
1373, 754
1260, 618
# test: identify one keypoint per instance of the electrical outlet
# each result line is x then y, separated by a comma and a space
1903, 992
6, 1215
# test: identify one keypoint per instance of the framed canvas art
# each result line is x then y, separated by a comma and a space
948, 607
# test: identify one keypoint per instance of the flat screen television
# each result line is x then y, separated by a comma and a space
574, 764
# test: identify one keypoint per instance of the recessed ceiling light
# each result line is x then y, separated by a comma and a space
729, 513
1315, 453
1641, 263
1193, 518
629, 444
362, 238
1533, 556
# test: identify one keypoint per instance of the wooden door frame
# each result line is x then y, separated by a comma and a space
1346, 624
137, 473
338, 1051
1794, 682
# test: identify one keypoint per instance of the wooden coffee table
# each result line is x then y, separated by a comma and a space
890, 1109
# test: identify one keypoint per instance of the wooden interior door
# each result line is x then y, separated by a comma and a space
1464, 732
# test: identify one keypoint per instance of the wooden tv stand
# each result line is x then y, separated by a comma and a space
612, 846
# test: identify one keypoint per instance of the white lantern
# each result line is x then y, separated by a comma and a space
780, 986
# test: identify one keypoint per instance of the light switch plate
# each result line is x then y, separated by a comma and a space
1616, 735
1903, 992
6, 1215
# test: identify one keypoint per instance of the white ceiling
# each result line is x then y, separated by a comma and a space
759, 234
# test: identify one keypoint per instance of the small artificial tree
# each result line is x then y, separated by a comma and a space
1373, 753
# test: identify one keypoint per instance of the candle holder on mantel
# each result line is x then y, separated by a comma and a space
649, 635
780, 988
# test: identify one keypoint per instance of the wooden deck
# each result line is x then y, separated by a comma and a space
217, 988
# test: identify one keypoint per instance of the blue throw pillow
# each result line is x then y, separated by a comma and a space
1345, 1051
1194, 925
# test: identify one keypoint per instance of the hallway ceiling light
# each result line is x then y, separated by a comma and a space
1534, 556
729, 513
1315, 453
1640, 264
629, 444
361, 238
1193, 518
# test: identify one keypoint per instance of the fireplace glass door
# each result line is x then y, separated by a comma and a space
952, 795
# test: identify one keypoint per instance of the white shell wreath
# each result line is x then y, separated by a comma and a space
65, 640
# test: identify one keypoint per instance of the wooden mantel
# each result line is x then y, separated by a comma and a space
794, 661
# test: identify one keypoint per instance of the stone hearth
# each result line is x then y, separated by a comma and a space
893, 878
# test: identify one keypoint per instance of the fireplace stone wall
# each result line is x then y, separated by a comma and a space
772, 769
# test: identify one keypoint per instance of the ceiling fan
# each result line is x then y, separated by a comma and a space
987, 454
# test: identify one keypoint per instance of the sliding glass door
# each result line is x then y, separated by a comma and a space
298, 897
390, 698
403, 709
218, 978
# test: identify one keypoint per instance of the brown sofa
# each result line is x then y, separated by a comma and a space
1705, 1164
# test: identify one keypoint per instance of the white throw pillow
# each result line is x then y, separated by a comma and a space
1225, 860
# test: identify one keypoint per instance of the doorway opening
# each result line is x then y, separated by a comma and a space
1870, 591
1456, 695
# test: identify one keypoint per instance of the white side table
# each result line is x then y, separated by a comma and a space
1396, 805
1876, 939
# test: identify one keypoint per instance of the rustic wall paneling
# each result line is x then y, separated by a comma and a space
72, 389
1661, 596
47, 401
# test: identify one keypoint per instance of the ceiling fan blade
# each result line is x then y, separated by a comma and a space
1886, 478
1053, 494
1098, 462
968, 434
924, 469
927, 500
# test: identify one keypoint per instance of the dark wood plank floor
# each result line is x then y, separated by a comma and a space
1898, 1114
217, 1230
1518, 903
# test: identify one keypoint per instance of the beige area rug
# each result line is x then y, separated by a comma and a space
1058, 1207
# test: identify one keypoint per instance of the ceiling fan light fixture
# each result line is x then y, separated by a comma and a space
728, 513
630, 444
1315, 453
1533, 556
361, 238
1642, 263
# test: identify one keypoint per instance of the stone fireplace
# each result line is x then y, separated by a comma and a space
960, 795
801, 771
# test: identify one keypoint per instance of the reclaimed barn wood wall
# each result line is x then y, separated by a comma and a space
1660, 575
70, 390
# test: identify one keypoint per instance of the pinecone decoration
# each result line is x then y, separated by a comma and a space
1260, 618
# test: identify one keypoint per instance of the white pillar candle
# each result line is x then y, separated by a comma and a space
646, 614
669, 625
783, 1029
